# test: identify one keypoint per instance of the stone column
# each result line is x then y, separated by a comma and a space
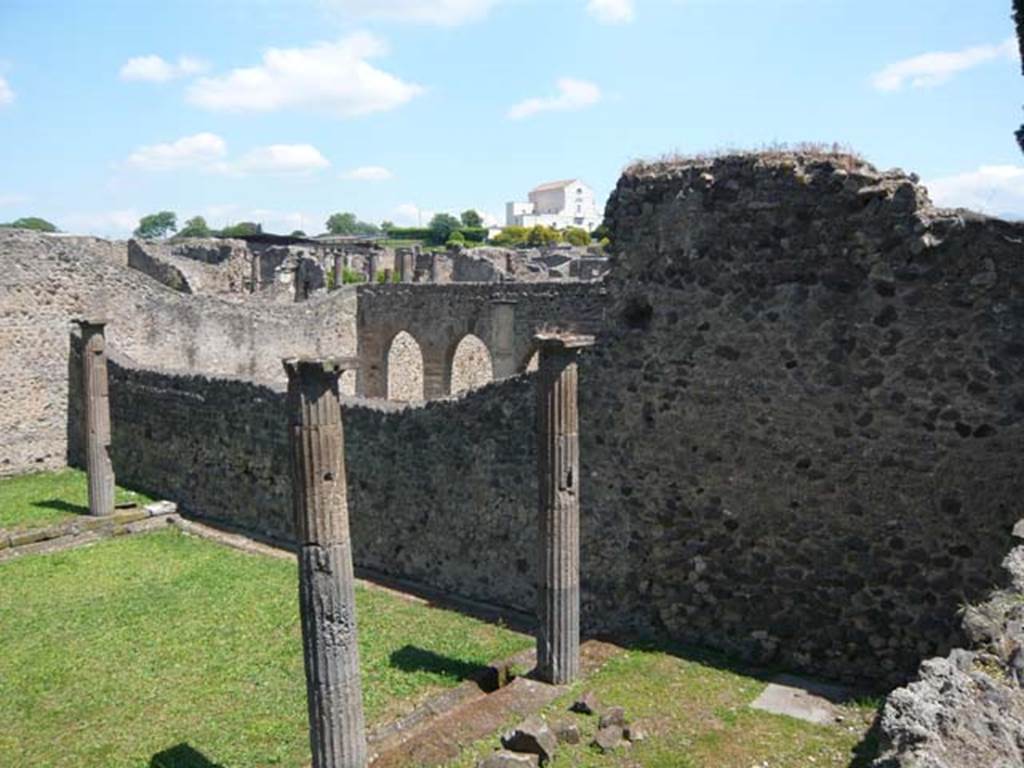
371, 268
503, 338
435, 268
96, 402
337, 731
558, 475
437, 371
339, 268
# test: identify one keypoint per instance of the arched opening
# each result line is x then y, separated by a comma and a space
405, 368
471, 365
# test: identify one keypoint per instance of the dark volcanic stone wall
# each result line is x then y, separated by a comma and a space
801, 433
442, 494
803, 428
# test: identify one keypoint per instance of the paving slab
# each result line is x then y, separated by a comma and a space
803, 698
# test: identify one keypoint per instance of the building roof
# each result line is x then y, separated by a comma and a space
554, 185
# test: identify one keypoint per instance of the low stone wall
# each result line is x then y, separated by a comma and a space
443, 494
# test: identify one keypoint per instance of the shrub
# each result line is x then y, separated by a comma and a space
511, 236
577, 236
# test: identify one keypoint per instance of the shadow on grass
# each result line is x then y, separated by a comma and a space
410, 658
61, 506
862, 755
181, 756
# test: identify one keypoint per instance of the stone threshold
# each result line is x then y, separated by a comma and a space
86, 529
437, 731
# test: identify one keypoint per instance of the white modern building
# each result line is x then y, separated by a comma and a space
560, 204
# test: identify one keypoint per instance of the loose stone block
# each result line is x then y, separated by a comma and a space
326, 582
558, 468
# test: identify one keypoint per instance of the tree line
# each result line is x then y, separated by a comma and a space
443, 229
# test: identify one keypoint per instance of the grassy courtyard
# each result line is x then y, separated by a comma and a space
47, 498
696, 714
166, 651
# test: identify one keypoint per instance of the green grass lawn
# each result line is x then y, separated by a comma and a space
46, 498
167, 651
696, 715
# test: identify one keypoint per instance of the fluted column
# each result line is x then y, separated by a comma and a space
558, 470
96, 402
337, 730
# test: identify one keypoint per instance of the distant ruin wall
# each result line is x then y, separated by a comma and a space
46, 281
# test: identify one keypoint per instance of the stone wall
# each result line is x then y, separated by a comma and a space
504, 316
47, 281
218, 447
803, 427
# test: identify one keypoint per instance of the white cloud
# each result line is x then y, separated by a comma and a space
490, 220
208, 152
611, 11
333, 77
105, 223
282, 158
368, 173
203, 150
154, 69
572, 95
993, 189
930, 69
444, 13
282, 222
6, 93
412, 215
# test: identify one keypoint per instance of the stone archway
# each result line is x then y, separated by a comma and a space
404, 368
471, 365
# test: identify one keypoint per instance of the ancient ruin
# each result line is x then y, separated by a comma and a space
800, 426
558, 482
326, 581
97, 417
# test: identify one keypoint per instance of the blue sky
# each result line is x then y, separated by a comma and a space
286, 111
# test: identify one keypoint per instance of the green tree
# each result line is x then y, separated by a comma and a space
511, 236
441, 228
156, 225
298, 233
242, 229
577, 236
387, 225
540, 235
195, 227
472, 219
456, 238
32, 222
347, 224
